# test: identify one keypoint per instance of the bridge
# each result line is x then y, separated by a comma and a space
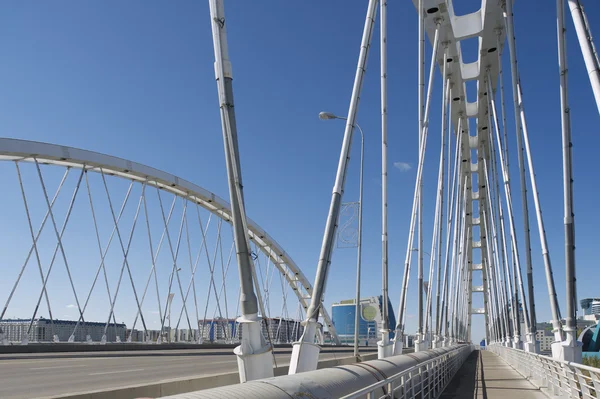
122, 241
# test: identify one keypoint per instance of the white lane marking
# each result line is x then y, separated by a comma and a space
13, 362
116, 372
57, 367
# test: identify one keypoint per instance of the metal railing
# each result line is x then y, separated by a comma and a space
555, 378
425, 380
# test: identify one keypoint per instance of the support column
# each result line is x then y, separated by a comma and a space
384, 347
421, 72
590, 57
305, 353
254, 355
510, 33
570, 350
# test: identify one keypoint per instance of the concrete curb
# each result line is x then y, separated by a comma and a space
189, 384
112, 347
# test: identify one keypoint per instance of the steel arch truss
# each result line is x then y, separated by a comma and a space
50, 154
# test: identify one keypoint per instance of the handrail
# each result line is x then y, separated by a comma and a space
556, 378
456, 354
425, 374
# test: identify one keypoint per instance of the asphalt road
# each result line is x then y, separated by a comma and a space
49, 374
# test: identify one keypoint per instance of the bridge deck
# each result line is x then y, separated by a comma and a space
486, 375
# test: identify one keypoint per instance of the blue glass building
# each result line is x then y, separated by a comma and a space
370, 317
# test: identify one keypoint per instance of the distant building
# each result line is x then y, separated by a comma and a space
136, 335
370, 318
590, 307
278, 330
583, 323
222, 330
43, 330
545, 338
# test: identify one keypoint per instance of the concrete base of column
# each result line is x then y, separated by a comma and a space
419, 346
397, 346
516, 342
569, 350
529, 347
254, 355
385, 348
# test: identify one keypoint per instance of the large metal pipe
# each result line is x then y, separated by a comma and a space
254, 354
332, 382
445, 101
557, 328
584, 35
569, 216
421, 68
416, 199
505, 173
305, 353
385, 327
510, 33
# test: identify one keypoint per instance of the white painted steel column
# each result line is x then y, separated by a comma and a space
530, 344
509, 206
452, 206
423, 143
359, 251
384, 347
421, 72
420, 343
305, 353
570, 350
584, 35
557, 327
437, 260
254, 354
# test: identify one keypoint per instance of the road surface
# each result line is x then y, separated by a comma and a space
49, 374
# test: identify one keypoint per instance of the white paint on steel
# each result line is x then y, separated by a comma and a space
353, 381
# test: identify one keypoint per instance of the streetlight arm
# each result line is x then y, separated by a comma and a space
362, 135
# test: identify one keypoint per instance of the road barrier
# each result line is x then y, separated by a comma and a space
423, 374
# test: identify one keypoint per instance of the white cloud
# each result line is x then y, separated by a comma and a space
403, 166
70, 306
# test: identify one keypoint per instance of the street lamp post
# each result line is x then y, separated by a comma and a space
326, 116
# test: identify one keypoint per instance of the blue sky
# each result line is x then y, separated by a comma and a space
136, 80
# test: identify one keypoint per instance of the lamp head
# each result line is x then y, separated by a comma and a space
327, 115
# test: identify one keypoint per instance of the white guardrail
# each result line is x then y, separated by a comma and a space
555, 378
425, 380
424, 375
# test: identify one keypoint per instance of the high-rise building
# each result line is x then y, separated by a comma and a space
278, 330
545, 337
370, 318
590, 306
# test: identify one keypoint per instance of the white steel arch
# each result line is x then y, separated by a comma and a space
53, 154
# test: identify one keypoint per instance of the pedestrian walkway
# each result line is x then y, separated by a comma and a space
485, 375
